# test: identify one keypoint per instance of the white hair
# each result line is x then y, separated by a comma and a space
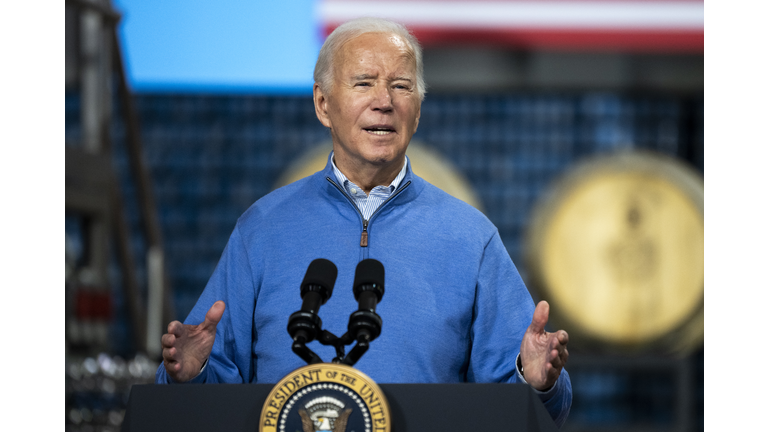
351, 29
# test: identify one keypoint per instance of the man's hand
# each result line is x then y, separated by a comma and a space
186, 347
543, 354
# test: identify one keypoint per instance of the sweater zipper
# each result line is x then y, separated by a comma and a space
364, 234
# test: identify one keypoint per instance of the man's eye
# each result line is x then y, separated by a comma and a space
365, 84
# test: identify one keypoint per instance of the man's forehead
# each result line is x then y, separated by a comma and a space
375, 37
376, 43
399, 41
372, 47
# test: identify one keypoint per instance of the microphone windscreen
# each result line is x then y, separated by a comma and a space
369, 272
320, 272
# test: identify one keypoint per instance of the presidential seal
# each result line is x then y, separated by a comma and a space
325, 397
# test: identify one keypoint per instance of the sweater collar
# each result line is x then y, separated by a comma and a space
412, 183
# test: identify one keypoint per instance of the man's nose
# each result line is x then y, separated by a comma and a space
382, 98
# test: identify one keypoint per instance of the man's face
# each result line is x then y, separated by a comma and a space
373, 107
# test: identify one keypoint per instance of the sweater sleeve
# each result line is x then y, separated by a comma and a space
503, 311
232, 281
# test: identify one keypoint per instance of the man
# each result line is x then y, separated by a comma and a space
455, 307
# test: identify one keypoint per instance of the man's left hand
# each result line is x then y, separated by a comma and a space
543, 354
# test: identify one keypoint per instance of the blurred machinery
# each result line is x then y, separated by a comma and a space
97, 389
101, 279
89, 179
94, 199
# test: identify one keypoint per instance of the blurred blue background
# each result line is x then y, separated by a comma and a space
223, 46
222, 95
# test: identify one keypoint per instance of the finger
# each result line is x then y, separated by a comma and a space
562, 347
553, 372
558, 357
168, 340
540, 317
213, 316
562, 355
172, 365
169, 355
557, 361
556, 342
175, 328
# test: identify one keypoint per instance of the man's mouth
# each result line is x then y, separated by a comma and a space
380, 130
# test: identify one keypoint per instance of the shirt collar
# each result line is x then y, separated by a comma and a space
346, 182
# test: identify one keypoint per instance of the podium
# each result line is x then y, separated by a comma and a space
413, 407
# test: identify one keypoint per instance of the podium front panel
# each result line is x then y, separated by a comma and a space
413, 407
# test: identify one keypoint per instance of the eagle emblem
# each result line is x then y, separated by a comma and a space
324, 414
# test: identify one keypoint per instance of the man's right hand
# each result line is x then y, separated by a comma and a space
186, 347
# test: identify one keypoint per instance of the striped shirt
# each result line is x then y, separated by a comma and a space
368, 203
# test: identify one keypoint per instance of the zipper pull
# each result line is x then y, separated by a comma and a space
364, 236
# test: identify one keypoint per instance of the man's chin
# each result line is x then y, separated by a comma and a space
377, 154
385, 159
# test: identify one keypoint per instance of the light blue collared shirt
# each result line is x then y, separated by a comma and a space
368, 203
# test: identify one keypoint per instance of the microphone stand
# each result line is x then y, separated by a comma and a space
364, 324
327, 338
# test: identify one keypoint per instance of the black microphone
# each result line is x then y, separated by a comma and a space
365, 324
316, 288
369, 284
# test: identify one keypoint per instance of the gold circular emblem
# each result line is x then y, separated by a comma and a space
325, 397
618, 248
426, 163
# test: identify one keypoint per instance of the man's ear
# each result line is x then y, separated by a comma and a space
321, 105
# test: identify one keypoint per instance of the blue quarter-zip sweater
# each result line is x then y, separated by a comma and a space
455, 308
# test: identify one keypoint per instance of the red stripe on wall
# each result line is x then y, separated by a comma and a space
671, 41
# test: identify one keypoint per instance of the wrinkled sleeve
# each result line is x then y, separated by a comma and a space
503, 311
232, 281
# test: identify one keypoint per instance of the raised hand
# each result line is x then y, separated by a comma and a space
186, 347
543, 354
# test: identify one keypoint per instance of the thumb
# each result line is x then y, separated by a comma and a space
540, 317
213, 316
